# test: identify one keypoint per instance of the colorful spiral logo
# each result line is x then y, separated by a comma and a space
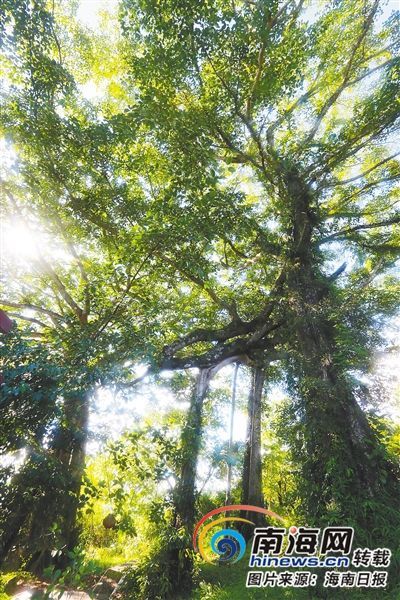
225, 545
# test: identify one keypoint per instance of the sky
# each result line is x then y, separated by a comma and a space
89, 11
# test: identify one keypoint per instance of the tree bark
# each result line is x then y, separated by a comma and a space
46, 491
180, 559
344, 461
72, 454
184, 496
252, 465
228, 497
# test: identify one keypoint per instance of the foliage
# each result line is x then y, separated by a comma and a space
281, 471
195, 213
155, 577
29, 394
8, 579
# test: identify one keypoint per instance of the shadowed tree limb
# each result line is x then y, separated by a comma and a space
344, 232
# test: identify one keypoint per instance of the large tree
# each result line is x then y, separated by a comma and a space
268, 86
74, 299
239, 148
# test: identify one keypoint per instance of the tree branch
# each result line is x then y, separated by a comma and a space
25, 305
76, 256
345, 83
129, 284
367, 187
313, 90
30, 319
214, 359
260, 64
230, 307
47, 267
63, 290
338, 272
344, 232
356, 177
348, 149
242, 156
249, 126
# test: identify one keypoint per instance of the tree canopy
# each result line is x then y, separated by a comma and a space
228, 194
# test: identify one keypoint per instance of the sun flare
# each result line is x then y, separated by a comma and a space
20, 242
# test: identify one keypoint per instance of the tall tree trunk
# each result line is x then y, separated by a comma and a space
345, 464
72, 455
344, 459
15, 507
184, 496
78, 418
180, 560
68, 452
228, 497
252, 465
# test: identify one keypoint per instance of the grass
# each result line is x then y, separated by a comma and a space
219, 582
106, 557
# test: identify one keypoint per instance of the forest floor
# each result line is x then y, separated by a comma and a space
216, 582
91, 587
31, 592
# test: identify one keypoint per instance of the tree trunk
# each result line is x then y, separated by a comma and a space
228, 497
180, 559
184, 496
46, 491
252, 465
343, 457
345, 464
14, 510
79, 417
73, 456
